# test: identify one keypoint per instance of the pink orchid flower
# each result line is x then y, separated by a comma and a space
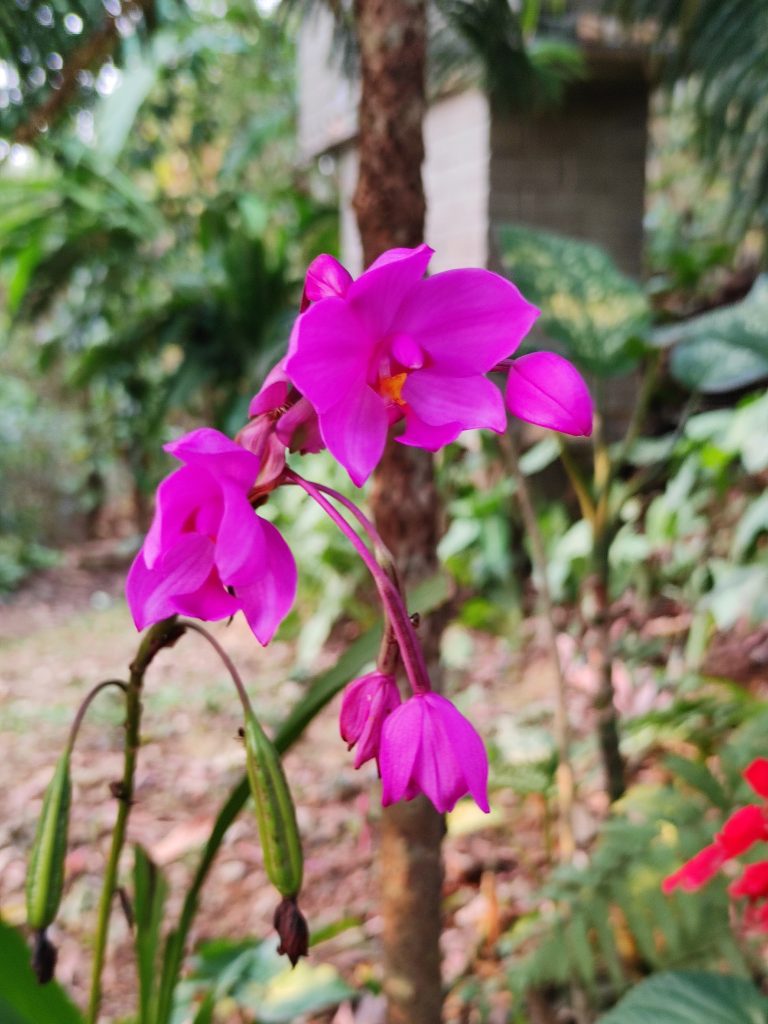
393, 345
429, 747
207, 554
366, 704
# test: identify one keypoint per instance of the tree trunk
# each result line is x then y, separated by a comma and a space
390, 206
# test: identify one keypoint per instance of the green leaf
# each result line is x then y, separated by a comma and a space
22, 1000
697, 775
598, 314
724, 349
691, 997
149, 891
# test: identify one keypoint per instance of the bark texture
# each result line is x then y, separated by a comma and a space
390, 207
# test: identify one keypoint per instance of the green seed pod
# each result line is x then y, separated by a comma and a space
45, 877
275, 813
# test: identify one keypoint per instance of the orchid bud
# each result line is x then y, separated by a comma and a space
367, 702
545, 389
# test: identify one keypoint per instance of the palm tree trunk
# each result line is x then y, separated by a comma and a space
390, 206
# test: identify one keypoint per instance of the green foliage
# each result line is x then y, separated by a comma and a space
150, 890
599, 316
722, 350
520, 71
22, 999
250, 977
691, 997
598, 926
720, 48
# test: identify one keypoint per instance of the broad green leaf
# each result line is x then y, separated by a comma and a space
22, 999
597, 314
691, 997
724, 349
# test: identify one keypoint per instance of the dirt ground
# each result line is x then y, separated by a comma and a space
68, 629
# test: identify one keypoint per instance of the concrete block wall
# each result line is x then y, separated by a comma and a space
579, 171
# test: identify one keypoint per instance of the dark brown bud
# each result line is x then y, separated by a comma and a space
43, 957
292, 929
415, 620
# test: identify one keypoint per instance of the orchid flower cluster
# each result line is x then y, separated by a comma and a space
744, 828
392, 352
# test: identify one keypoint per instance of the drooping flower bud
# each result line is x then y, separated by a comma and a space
367, 702
280, 419
291, 926
326, 278
429, 747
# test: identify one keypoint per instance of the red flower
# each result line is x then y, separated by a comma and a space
744, 828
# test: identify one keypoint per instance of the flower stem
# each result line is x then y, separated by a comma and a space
162, 634
228, 663
410, 649
81, 711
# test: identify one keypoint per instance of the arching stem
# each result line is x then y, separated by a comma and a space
410, 648
81, 711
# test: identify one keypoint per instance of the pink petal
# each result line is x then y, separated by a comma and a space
401, 738
182, 569
178, 497
213, 451
271, 396
470, 401
326, 277
407, 352
377, 294
299, 430
210, 602
421, 435
385, 700
697, 871
355, 432
545, 389
329, 352
240, 539
467, 747
267, 600
756, 775
140, 591
467, 320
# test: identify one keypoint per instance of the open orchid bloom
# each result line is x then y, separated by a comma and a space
207, 553
394, 346
744, 828
429, 747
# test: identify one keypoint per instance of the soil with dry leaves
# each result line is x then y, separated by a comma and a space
68, 629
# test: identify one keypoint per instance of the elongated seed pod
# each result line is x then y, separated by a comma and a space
275, 813
45, 876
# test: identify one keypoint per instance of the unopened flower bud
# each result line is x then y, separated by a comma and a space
367, 702
291, 926
260, 437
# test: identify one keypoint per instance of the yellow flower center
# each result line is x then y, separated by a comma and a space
392, 387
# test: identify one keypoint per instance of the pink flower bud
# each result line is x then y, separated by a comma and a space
366, 704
